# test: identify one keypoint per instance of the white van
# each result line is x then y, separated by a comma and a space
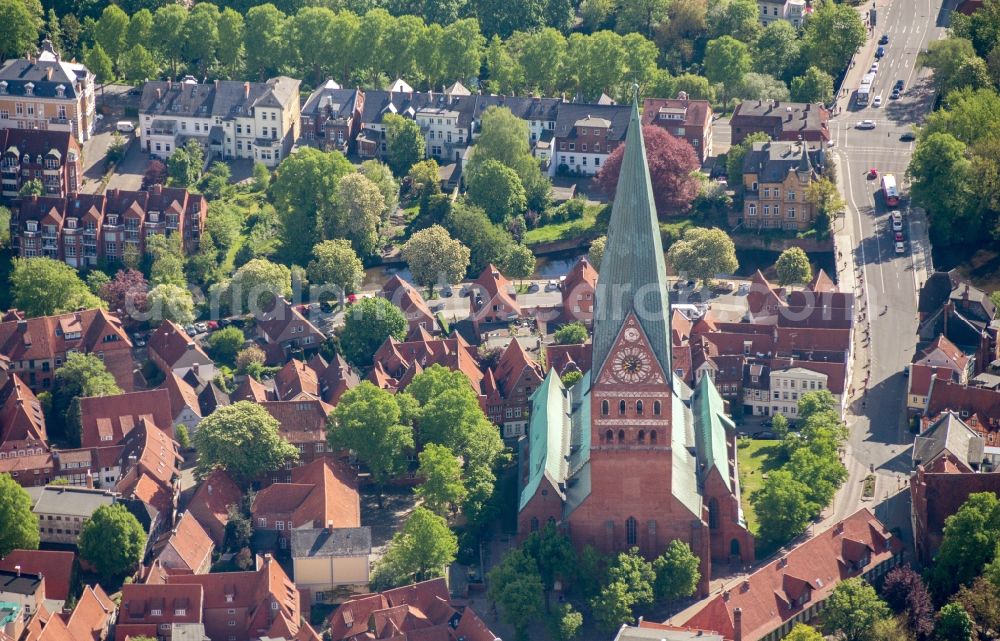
125, 126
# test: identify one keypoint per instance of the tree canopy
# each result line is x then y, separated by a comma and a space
20, 530
703, 254
367, 324
434, 257
793, 267
112, 540
421, 550
242, 439
46, 286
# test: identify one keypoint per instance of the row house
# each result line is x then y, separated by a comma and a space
782, 121
577, 292
212, 503
54, 565
792, 589
411, 302
62, 510
775, 178
977, 407
86, 229
585, 135
949, 306
793, 11
492, 298
173, 351
185, 549
684, 118
331, 117
942, 360
92, 619
395, 363
50, 157
303, 424
508, 389
156, 611
35, 347
259, 121
283, 332
45, 92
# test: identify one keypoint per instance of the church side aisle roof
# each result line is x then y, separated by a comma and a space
710, 423
683, 470
549, 436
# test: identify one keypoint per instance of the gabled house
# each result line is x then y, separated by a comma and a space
35, 347
396, 363
782, 121
57, 567
152, 610
585, 135
184, 406
172, 350
578, 292
150, 469
186, 548
328, 562
303, 424
283, 331
106, 420
331, 117
51, 157
22, 423
517, 375
492, 298
939, 361
775, 178
411, 302
682, 117
212, 501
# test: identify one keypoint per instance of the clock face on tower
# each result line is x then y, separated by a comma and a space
631, 365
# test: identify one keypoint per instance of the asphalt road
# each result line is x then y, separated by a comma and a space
886, 282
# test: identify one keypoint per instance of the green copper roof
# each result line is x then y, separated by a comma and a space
633, 277
710, 423
549, 436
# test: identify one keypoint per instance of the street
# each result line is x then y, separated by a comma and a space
886, 282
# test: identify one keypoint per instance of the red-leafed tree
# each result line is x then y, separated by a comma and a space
155, 174
672, 162
126, 293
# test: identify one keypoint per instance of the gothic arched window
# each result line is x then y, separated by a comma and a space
621, 436
605, 408
656, 408
609, 437
631, 531
638, 408
652, 437
642, 437
621, 408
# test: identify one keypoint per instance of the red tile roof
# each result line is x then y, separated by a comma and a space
943, 352
581, 273
211, 501
301, 421
921, 376
56, 567
92, 615
821, 282
181, 394
948, 395
170, 342
698, 113
408, 299
322, 492
250, 390
149, 463
393, 359
762, 299
189, 542
105, 420
336, 378
139, 600
512, 366
494, 289
294, 379
22, 423
767, 598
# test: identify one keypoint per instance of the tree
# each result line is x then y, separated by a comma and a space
567, 623
424, 179
168, 259
381, 175
571, 334
677, 572
815, 85
785, 500
642, 16
498, 190
672, 163
264, 34
703, 253
514, 584
99, 63
255, 285
776, 51
168, 33
368, 422
801, 631
727, 61
488, 243
201, 36
596, 253
736, 153
404, 143
242, 439
170, 302
336, 263
435, 257
215, 182
96, 280
981, 601
569, 379
231, 28
225, 343
942, 182
504, 138
520, 262
139, 65
421, 550
18, 29
366, 326
442, 489
905, 592
79, 376
737, 18
140, 29
968, 544
20, 530
33, 187
612, 606
760, 86
182, 437
358, 213
247, 357
553, 555
831, 36
852, 609
126, 293
155, 174
112, 540
793, 267
541, 59
305, 192
45, 286
825, 197
946, 58
815, 402
224, 222
111, 31
261, 177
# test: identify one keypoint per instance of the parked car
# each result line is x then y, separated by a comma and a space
908, 136
201, 327
769, 436
212, 325
884, 40
447, 291
897, 220
900, 247
895, 94
866, 124
552, 286
880, 52
899, 236
877, 102
533, 287
874, 67
190, 329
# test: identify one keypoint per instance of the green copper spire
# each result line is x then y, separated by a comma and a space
633, 277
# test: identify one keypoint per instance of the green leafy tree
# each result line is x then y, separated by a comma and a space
20, 530
736, 153
596, 253
139, 65
703, 253
793, 267
140, 29
514, 584
79, 376
852, 609
504, 138
953, 624
255, 284
368, 421
737, 18
968, 544
182, 437
727, 61
112, 540
168, 301
18, 29
168, 259
777, 50
779, 425
946, 58
571, 334
231, 33
435, 257
612, 606
553, 555
224, 222
942, 183
498, 190
242, 439
98, 61
677, 572
404, 143
336, 263
540, 57
801, 631
201, 36
261, 176
33, 187
520, 262
381, 175
569, 379
815, 85
825, 197
784, 499
567, 623
248, 357
421, 550
832, 34
367, 324
814, 402
45, 286
111, 31
424, 179
357, 214
306, 194
760, 86
225, 343
264, 34
168, 33
488, 243
442, 489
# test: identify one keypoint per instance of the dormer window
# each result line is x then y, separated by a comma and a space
61, 91
29, 89
3, 86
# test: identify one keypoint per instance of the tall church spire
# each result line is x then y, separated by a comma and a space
633, 277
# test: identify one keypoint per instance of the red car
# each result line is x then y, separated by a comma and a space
899, 236
872, 173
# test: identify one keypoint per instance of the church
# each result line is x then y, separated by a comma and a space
630, 456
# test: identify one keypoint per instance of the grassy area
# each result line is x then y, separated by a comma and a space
669, 232
579, 228
755, 459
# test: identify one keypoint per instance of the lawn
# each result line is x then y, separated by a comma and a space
755, 459
578, 228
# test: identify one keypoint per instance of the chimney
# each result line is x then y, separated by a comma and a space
17, 568
195, 368
48, 73
90, 480
216, 84
159, 94
329, 527
246, 90
738, 624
